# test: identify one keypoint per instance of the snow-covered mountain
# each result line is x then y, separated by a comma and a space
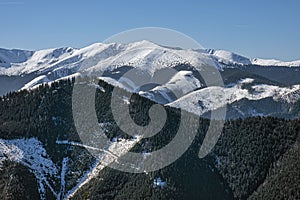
26, 69
137, 54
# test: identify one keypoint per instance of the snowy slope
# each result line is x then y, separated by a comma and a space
7, 57
184, 79
211, 98
183, 82
18, 62
228, 58
30, 153
272, 62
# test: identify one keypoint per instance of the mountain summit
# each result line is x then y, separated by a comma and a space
17, 62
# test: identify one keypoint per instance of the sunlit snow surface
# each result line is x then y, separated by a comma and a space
210, 98
30, 153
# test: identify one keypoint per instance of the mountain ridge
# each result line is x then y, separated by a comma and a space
112, 61
26, 61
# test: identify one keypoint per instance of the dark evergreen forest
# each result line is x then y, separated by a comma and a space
254, 157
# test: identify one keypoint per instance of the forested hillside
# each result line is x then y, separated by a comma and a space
247, 161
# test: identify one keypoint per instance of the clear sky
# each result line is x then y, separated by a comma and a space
254, 28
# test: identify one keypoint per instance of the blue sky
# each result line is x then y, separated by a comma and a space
254, 28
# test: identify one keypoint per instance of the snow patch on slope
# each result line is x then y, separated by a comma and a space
31, 153
109, 155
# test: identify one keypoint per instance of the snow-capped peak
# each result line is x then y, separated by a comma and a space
228, 58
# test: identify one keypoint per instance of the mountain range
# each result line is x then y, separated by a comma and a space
42, 155
248, 83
